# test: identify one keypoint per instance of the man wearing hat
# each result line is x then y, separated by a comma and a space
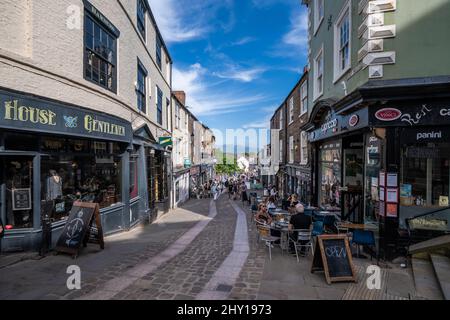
299, 221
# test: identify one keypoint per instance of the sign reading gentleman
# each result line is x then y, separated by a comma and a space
333, 256
78, 228
23, 112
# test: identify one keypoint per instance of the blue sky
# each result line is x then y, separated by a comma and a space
235, 59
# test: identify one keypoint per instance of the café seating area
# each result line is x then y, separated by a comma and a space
275, 234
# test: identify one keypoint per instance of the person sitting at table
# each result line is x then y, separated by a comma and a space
271, 203
299, 221
293, 201
262, 215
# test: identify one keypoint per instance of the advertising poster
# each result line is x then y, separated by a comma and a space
391, 210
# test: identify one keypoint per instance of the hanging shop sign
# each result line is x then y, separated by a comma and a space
187, 163
20, 112
165, 141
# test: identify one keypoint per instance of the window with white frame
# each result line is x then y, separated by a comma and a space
303, 147
304, 98
291, 110
291, 149
342, 45
177, 116
319, 12
318, 74
281, 150
281, 118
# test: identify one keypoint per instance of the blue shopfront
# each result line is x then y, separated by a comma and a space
56, 153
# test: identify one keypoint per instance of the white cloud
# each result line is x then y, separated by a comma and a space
242, 41
204, 99
294, 43
185, 20
236, 73
263, 123
298, 33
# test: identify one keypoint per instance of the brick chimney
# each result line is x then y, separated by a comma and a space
181, 96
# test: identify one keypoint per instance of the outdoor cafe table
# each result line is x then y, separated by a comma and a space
283, 228
352, 226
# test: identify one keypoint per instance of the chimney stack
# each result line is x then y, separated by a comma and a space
181, 96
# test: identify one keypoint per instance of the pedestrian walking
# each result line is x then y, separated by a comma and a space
244, 196
215, 191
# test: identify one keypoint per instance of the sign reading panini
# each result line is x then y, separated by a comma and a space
19, 112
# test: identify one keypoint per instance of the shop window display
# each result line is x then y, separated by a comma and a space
425, 179
330, 167
18, 180
374, 152
90, 172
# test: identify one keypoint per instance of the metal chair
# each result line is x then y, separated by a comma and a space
264, 235
363, 238
303, 240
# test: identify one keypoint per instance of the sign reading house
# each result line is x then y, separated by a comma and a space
20, 112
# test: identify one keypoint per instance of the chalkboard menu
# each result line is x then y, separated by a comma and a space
77, 230
21, 199
333, 256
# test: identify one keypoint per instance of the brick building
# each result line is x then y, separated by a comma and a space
84, 98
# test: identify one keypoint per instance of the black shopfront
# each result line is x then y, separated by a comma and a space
380, 162
56, 153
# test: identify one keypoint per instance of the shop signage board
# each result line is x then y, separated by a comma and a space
334, 124
21, 199
434, 134
22, 112
165, 141
78, 228
409, 114
333, 256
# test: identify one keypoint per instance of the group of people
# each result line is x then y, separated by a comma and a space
297, 218
237, 189
209, 189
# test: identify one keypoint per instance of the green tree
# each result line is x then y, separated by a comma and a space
227, 168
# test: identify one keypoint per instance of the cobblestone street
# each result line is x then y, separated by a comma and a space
199, 251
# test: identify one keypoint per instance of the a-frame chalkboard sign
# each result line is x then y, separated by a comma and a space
80, 229
332, 255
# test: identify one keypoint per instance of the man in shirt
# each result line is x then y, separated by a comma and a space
298, 221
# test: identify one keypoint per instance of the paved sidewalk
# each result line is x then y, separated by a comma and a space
46, 278
283, 278
206, 249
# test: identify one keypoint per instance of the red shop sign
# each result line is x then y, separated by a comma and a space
388, 114
354, 120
